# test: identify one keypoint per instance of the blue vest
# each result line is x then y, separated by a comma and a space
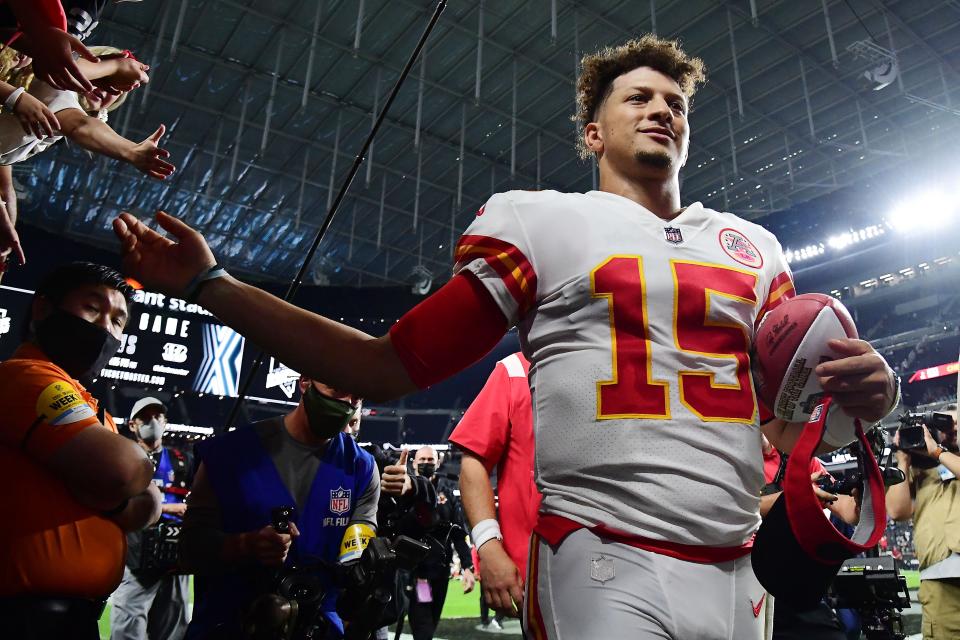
248, 485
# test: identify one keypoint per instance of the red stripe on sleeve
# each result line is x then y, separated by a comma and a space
507, 261
781, 290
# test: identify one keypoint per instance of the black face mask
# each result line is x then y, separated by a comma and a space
78, 347
426, 469
326, 416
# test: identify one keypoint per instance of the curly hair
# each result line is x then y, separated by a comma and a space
600, 69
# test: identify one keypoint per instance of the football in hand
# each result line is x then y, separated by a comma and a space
790, 342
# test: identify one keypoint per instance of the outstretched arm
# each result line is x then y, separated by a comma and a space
446, 333
95, 135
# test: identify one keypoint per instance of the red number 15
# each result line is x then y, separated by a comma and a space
633, 393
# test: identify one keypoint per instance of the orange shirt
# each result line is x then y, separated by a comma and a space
50, 544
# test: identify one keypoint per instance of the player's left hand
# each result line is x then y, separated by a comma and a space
157, 261
860, 382
468, 580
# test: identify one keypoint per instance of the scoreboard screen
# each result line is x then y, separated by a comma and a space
167, 342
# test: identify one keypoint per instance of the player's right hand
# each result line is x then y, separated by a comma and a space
500, 579
396, 481
158, 262
269, 547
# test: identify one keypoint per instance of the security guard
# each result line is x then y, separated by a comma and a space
80, 484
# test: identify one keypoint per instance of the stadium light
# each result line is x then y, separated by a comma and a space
925, 210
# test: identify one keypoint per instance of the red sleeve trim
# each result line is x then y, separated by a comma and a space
449, 331
509, 262
781, 290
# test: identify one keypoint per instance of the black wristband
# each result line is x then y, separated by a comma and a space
116, 510
192, 291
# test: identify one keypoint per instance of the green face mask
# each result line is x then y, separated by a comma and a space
326, 416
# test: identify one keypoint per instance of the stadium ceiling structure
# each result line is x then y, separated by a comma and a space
266, 104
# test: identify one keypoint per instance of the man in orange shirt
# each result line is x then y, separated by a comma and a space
79, 485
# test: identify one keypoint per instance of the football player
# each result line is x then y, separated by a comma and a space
637, 315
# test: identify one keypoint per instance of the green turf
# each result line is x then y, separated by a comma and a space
913, 578
459, 604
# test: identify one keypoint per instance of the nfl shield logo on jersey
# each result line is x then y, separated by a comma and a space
340, 501
672, 235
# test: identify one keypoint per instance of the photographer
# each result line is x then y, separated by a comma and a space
932, 498
151, 602
302, 459
78, 484
441, 528
790, 623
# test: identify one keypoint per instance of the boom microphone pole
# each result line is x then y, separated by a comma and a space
328, 220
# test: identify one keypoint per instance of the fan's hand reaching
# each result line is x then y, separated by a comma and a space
161, 263
149, 158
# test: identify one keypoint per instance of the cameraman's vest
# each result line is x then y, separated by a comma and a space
936, 518
248, 486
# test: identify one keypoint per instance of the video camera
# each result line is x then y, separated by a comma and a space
877, 591
912, 424
291, 609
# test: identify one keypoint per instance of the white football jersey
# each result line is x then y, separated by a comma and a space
638, 331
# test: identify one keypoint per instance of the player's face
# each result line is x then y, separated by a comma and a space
642, 123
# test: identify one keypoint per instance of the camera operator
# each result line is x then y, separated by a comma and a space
441, 528
151, 602
78, 484
932, 498
304, 459
789, 623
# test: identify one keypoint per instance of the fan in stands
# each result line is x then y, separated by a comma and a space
790, 342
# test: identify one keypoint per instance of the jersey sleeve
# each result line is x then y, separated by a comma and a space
496, 250
46, 413
485, 427
781, 286
776, 293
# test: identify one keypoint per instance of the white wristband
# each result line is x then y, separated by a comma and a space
11, 100
485, 531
